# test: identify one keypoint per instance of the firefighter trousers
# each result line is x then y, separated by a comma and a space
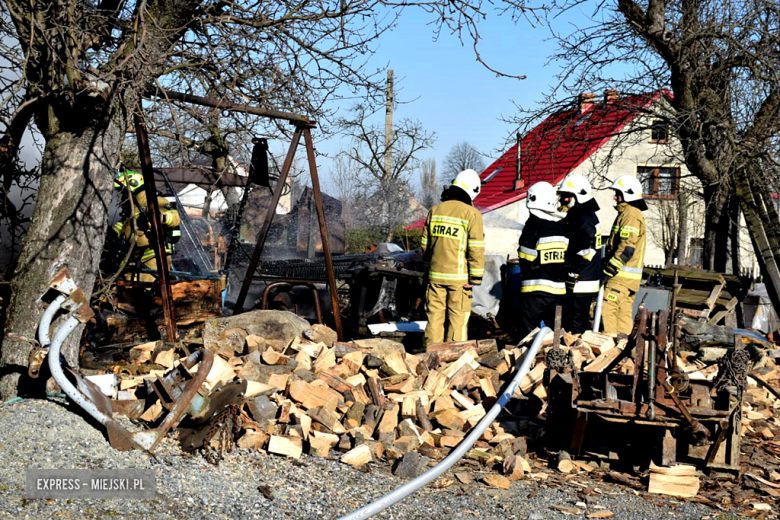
618, 306
449, 308
576, 312
537, 307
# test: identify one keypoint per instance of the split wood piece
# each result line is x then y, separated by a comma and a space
254, 389
304, 360
253, 440
286, 445
462, 378
309, 347
467, 358
679, 481
359, 394
497, 481
152, 413
166, 357
358, 456
461, 400
394, 364
353, 361
422, 416
436, 383
598, 343
375, 389
532, 378
409, 406
327, 418
334, 381
326, 360
386, 428
449, 352
279, 381
371, 418
444, 402
423, 395
473, 415
254, 342
450, 419
487, 387
272, 357
354, 416
357, 379
221, 372
607, 358
140, 354
400, 383
320, 443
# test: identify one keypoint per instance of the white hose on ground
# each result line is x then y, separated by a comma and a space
435, 472
56, 368
599, 307
48, 315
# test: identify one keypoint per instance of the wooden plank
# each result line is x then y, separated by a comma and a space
721, 314
679, 481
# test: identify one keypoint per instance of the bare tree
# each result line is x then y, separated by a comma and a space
429, 183
77, 71
386, 194
461, 157
720, 61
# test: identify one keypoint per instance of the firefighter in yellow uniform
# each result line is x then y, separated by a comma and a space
143, 253
624, 256
454, 252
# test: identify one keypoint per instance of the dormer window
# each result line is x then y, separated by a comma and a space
659, 132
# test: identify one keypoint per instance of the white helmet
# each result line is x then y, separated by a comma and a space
468, 180
542, 197
629, 186
578, 186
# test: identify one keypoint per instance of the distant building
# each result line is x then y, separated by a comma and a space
600, 139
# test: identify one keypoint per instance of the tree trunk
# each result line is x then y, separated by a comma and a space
68, 228
717, 228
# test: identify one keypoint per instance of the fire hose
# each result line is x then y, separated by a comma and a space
435, 472
599, 306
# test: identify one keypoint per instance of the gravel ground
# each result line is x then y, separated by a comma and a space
47, 434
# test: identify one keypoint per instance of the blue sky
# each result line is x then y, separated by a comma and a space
454, 95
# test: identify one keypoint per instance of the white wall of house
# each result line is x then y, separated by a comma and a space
625, 154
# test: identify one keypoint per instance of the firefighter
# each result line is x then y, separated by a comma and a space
624, 256
143, 253
542, 253
583, 257
454, 253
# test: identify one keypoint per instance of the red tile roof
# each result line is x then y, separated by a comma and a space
556, 147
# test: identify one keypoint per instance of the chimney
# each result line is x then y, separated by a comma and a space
587, 100
611, 97
519, 182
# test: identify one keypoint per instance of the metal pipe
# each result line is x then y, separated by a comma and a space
597, 313
158, 239
315, 185
269, 216
651, 361
48, 316
410, 487
291, 284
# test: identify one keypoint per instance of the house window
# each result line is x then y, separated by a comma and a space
659, 131
659, 182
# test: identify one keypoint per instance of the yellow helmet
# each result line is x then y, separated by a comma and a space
130, 178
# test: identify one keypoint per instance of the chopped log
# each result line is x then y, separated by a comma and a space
394, 364
461, 400
335, 382
272, 357
328, 419
462, 377
679, 481
309, 347
487, 387
407, 443
358, 456
360, 395
166, 357
279, 381
386, 428
606, 359
598, 343
448, 352
303, 360
409, 406
325, 360
371, 418
444, 402
354, 416
375, 389
357, 379
286, 445
422, 417
436, 383
320, 443
533, 378
152, 413
252, 440
497, 481
473, 415
450, 419
467, 358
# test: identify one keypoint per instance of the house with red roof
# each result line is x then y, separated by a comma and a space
601, 138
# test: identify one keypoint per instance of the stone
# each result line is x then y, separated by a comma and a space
277, 328
321, 334
411, 465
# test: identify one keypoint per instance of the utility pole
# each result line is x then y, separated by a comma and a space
389, 125
388, 149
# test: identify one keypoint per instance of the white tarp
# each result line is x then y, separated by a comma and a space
487, 297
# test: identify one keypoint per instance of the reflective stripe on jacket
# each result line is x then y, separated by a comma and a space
626, 245
583, 257
542, 253
454, 244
